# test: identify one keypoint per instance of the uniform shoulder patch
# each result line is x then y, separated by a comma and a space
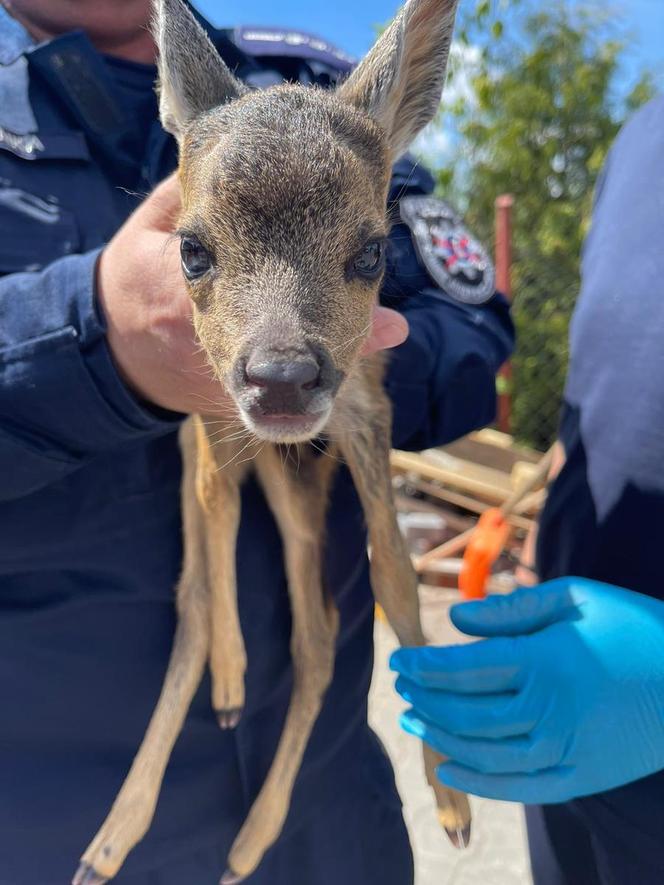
456, 261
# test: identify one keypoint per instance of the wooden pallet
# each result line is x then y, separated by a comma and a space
463, 480
466, 484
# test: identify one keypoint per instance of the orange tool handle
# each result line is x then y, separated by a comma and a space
484, 548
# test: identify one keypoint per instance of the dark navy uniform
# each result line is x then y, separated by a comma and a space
605, 511
89, 510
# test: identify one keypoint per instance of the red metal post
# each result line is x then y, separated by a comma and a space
504, 204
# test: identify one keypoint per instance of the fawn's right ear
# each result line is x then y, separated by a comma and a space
400, 81
192, 76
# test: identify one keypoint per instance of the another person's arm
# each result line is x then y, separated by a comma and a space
563, 697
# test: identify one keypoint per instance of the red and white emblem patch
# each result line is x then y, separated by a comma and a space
454, 258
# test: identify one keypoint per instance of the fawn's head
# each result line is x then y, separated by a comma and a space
284, 191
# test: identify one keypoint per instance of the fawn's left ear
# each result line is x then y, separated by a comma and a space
400, 81
192, 76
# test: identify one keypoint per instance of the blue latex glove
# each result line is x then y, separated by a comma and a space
565, 699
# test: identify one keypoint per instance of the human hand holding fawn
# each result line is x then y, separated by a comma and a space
148, 312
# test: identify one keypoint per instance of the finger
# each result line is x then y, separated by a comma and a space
539, 787
493, 665
510, 755
162, 207
480, 716
525, 611
389, 329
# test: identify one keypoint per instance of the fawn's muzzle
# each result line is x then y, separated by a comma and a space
286, 391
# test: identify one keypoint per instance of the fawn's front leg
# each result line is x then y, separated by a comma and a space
298, 499
133, 809
363, 422
222, 459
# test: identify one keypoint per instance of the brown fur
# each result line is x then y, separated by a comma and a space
283, 188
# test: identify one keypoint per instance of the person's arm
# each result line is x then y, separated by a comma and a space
61, 401
442, 380
87, 343
563, 697
99, 350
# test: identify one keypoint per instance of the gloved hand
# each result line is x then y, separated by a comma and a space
564, 699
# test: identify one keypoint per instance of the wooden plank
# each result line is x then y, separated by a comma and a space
491, 436
490, 448
448, 570
465, 502
500, 583
532, 503
449, 566
455, 521
443, 551
485, 482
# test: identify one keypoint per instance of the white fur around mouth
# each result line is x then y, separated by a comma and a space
286, 428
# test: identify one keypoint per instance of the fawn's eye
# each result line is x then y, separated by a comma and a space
369, 262
195, 258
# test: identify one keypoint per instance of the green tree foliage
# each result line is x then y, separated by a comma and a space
540, 124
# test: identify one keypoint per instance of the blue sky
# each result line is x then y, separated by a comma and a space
349, 23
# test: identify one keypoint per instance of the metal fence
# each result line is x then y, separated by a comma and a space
531, 388
539, 366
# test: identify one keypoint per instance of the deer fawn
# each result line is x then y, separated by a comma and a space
283, 228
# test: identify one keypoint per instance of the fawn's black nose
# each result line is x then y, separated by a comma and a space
290, 374
285, 386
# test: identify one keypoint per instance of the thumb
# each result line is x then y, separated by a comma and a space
388, 329
161, 209
527, 610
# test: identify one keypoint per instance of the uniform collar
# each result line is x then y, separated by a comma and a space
14, 39
76, 73
17, 121
69, 65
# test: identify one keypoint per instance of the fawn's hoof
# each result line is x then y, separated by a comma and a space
459, 837
229, 719
230, 878
86, 875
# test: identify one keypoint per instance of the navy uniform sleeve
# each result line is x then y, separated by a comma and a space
442, 379
61, 399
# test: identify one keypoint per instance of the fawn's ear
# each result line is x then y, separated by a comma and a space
400, 81
192, 77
